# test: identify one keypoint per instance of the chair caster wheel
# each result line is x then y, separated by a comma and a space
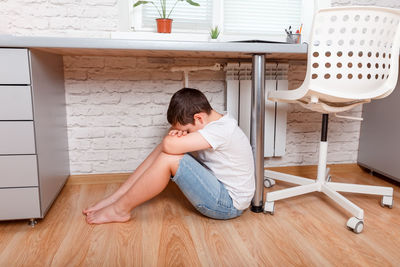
355, 225
269, 207
268, 182
387, 201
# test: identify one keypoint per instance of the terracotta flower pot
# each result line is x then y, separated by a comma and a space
164, 25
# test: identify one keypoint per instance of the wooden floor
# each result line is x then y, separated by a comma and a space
167, 231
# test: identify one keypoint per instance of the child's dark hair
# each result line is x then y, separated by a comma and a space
184, 104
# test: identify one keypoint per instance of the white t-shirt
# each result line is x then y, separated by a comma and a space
230, 158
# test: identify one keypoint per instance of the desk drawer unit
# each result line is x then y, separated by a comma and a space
19, 203
14, 66
17, 137
18, 171
34, 162
15, 103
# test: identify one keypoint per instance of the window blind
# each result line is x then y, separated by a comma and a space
184, 15
268, 17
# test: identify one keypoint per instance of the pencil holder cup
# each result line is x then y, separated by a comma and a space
294, 38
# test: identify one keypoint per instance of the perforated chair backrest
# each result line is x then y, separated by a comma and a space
354, 52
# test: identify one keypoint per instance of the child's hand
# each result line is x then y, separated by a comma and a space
177, 133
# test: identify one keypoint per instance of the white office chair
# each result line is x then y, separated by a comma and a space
353, 57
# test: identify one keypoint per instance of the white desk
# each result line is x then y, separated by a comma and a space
256, 51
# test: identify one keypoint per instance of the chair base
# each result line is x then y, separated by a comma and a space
330, 189
323, 184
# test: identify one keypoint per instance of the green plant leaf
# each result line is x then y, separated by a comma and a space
138, 3
164, 8
147, 2
214, 32
192, 3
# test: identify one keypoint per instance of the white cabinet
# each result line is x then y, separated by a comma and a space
19, 203
18, 171
15, 103
14, 66
34, 162
17, 137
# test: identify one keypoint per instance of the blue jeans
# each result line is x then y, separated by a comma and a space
203, 190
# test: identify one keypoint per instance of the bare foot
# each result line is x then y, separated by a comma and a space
99, 205
106, 215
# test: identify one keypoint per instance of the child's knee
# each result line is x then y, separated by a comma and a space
172, 161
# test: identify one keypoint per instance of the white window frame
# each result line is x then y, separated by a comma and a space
131, 27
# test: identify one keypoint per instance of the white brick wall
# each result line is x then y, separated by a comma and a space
116, 105
86, 18
116, 109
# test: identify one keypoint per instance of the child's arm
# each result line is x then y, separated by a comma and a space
174, 144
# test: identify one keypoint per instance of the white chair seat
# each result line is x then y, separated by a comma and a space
324, 104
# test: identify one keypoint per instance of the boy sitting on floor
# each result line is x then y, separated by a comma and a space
218, 181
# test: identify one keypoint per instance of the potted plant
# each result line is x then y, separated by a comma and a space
164, 23
214, 33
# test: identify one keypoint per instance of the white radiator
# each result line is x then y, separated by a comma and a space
238, 80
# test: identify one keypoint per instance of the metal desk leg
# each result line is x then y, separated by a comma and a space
257, 128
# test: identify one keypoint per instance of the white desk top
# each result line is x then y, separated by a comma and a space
99, 46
